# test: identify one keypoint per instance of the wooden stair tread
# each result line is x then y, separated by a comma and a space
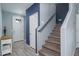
51, 36
56, 30
47, 52
55, 34
53, 41
57, 26
52, 47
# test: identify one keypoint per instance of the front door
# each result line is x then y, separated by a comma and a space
18, 28
33, 22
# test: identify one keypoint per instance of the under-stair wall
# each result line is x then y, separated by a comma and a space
46, 11
68, 38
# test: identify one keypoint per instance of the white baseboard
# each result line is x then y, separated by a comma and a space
37, 54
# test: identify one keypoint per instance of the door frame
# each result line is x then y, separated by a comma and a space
31, 10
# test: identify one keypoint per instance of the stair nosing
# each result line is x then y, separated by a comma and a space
54, 42
45, 53
52, 49
54, 37
55, 34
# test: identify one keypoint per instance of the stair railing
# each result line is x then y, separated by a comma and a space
46, 23
41, 29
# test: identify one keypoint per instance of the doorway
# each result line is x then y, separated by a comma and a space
18, 28
32, 22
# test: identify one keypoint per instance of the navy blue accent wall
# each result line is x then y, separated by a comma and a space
31, 10
61, 11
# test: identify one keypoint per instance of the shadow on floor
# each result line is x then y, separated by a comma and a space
77, 52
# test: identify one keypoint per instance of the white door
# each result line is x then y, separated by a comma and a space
18, 28
33, 22
77, 29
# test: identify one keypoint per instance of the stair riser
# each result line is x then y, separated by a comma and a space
47, 52
55, 34
51, 49
52, 42
52, 45
56, 27
56, 30
54, 37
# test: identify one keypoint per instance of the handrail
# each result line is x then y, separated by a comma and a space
47, 22
36, 30
36, 39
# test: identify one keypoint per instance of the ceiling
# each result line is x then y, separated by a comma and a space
18, 8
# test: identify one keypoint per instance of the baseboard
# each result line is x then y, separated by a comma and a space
17, 41
37, 54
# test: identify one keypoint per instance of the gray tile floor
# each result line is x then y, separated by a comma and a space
77, 52
21, 49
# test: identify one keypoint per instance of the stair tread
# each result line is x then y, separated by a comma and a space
52, 47
56, 30
47, 52
53, 41
58, 25
55, 34
51, 36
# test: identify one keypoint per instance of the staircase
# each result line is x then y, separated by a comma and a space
52, 45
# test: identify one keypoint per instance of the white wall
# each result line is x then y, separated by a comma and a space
7, 21
46, 11
77, 7
25, 28
77, 25
0, 21
0, 25
77, 30
68, 33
